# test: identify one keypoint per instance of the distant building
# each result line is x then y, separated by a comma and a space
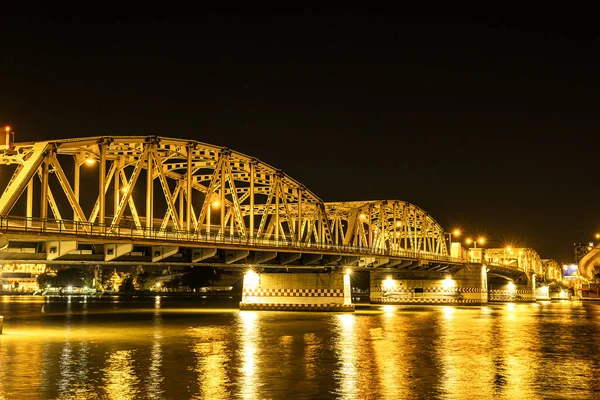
20, 277
580, 250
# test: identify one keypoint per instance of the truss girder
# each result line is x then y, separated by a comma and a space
552, 270
385, 225
222, 194
29, 159
524, 259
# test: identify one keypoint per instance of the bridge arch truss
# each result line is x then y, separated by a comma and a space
154, 186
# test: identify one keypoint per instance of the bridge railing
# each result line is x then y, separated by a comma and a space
87, 229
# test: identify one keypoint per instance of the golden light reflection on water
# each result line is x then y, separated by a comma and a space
517, 352
523, 351
312, 347
155, 375
390, 350
249, 336
347, 350
120, 380
467, 369
212, 357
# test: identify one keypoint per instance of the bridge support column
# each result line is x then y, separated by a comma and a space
513, 291
542, 292
466, 286
296, 292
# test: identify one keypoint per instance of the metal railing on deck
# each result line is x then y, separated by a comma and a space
87, 229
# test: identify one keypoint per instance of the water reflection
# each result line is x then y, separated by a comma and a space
120, 379
346, 348
312, 347
155, 376
390, 349
466, 366
249, 335
212, 356
84, 350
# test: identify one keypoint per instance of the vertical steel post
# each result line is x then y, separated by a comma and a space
181, 200
395, 231
101, 184
149, 189
370, 244
382, 218
208, 219
29, 211
44, 199
277, 208
252, 175
117, 187
226, 160
188, 211
76, 177
299, 231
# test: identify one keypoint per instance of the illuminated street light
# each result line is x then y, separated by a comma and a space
389, 284
215, 204
90, 161
456, 233
511, 287
251, 280
597, 235
363, 216
7, 129
348, 271
481, 241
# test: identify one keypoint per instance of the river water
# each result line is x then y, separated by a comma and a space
165, 348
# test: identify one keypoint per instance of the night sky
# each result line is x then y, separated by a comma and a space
488, 124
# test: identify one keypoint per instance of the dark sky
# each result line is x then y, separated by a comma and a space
487, 123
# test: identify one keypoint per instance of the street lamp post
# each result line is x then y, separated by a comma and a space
456, 233
481, 241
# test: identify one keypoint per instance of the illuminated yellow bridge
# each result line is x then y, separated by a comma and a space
152, 200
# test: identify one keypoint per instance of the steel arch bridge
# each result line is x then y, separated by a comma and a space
166, 191
515, 263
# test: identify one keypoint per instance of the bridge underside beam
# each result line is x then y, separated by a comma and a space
115, 250
308, 259
58, 248
347, 261
232, 256
262, 257
202, 254
162, 252
287, 258
331, 260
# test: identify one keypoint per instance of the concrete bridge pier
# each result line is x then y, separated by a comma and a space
522, 289
297, 291
465, 286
